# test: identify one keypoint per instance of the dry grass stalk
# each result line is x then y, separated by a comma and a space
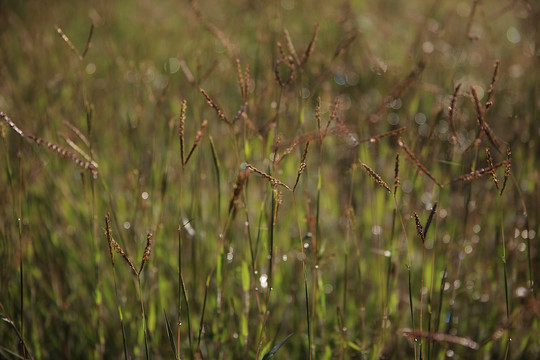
473, 175
79, 150
68, 42
344, 44
507, 168
491, 137
147, 252
237, 189
198, 138
66, 153
302, 166
213, 105
419, 228
396, 174
289, 63
490, 163
483, 127
77, 132
88, 42
451, 111
311, 46
440, 337
272, 180
489, 100
417, 162
290, 46
113, 245
375, 138
430, 218
181, 130
376, 177
398, 90
11, 124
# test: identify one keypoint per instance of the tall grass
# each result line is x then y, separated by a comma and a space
263, 214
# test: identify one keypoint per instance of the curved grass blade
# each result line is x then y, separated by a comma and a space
170, 335
272, 352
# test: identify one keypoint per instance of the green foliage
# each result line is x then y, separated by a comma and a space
338, 262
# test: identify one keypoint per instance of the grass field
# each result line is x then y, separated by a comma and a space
254, 179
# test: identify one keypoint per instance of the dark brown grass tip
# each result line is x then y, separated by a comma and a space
238, 187
311, 46
473, 175
147, 252
376, 177
417, 162
419, 228
302, 166
66, 153
198, 138
213, 105
489, 101
451, 112
11, 124
507, 168
490, 164
273, 181
396, 174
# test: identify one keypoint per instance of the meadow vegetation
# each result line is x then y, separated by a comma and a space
257, 179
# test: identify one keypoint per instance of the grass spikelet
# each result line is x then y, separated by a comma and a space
118, 249
213, 105
181, 130
237, 188
290, 46
272, 180
66, 153
489, 100
376, 177
507, 168
317, 112
473, 175
68, 42
479, 110
451, 112
493, 175
419, 228
11, 124
417, 162
302, 166
396, 174
491, 137
108, 234
198, 138
147, 252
